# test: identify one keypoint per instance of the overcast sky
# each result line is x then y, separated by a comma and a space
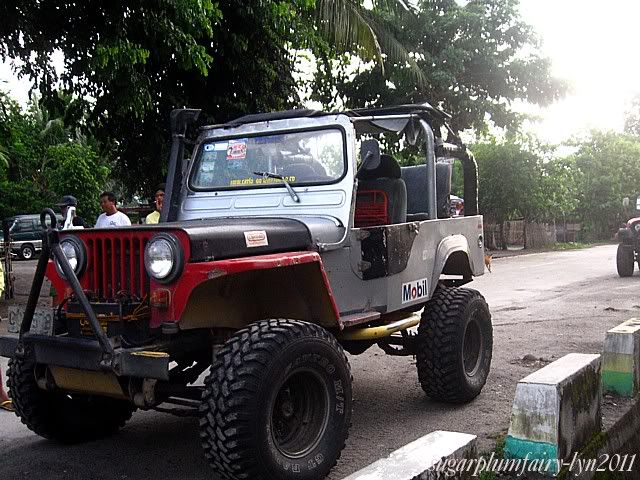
592, 44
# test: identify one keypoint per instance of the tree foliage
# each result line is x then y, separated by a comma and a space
45, 160
608, 169
632, 117
136, 62
476, 60
510, 181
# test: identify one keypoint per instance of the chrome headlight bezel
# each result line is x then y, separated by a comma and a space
177, 257
80, 252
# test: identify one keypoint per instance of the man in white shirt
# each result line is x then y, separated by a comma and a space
111, 218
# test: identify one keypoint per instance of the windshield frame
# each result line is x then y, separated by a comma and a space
198, 158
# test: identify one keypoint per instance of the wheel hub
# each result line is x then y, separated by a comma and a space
300, 414
472, 347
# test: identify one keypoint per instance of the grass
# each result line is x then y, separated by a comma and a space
570, 245
499, 453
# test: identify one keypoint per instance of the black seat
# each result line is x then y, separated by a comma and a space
382, 195
415, 178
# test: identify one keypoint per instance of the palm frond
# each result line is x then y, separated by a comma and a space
4, 156
349, 26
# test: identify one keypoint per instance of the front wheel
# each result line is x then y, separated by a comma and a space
625, 260
277, 404
454, 345
61, 416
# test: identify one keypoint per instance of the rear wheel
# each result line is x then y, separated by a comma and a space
277, 404
61, 416
625, 260
454, 345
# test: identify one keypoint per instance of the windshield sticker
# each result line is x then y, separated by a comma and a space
209, 147
259, 181
237, 150
221, 146
256, 238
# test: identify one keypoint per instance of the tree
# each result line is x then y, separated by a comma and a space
510, 183
45, 160
476, 59
632, 117
139, 61
608, 167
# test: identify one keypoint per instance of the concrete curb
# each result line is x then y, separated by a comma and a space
621, 358
426, 458
556, 410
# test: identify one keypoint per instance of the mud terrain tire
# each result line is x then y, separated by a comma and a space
277, 404
454, 345
61, 416
624, 260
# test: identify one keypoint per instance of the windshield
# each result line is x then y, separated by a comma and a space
309, 157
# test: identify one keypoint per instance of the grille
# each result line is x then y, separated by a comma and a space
116, 264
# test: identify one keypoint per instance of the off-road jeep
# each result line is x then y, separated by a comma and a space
276, 251
628, 248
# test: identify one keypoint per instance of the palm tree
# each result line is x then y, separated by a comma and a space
349, 26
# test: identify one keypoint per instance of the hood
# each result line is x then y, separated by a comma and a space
221, 238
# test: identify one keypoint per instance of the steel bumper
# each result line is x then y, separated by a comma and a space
84, 354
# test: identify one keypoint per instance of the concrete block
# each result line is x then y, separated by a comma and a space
621, 359
556, 410
424, 458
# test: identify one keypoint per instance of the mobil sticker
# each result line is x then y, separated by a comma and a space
415, 290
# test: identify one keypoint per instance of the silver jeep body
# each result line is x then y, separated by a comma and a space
416, 253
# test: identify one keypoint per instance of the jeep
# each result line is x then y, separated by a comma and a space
628, 248
281, 245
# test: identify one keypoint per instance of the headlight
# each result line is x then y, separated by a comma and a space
74, 252
163, 258
637, 227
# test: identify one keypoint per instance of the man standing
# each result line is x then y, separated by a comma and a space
111, 218
154, 217
65, 204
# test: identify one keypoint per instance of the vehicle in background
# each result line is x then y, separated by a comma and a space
25, 235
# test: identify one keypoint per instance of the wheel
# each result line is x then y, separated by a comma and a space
625, 260
61, 416
27, 252
277, 404
454, 345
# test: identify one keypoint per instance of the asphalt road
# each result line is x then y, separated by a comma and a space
544, 306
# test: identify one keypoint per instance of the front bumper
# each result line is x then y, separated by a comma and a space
86, 354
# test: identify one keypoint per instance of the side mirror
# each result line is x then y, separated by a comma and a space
370, 154
626, 202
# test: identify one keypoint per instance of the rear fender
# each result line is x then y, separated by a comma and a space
452, 258
233, 293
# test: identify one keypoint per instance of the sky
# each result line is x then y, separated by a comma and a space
592, 44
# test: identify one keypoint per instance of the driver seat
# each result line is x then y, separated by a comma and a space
381, 198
